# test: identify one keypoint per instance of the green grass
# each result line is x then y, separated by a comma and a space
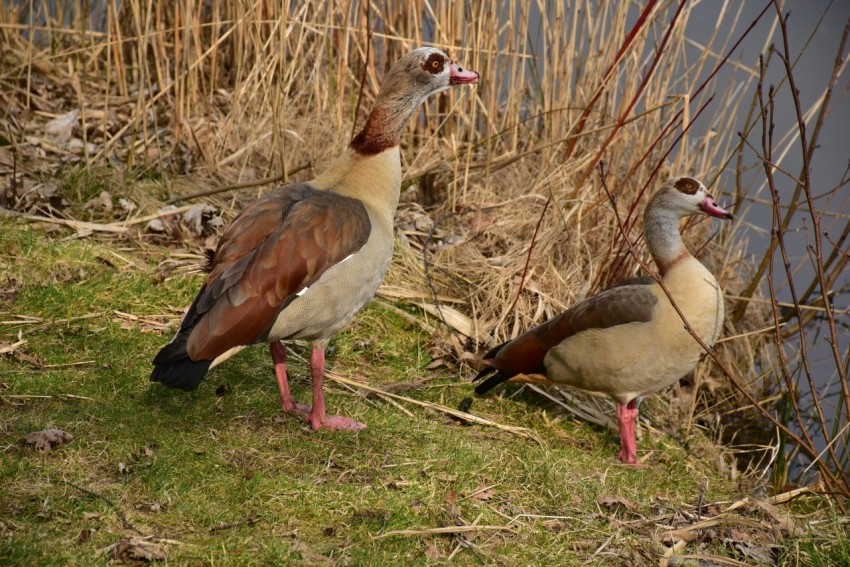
180, 465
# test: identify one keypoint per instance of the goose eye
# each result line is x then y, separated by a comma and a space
435, 64
687, 185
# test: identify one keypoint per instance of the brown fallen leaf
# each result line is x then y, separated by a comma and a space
614, 503
482, 493
432, 552
24, 357
48, 439
307, 553
451, 504
61, 127
135, 549
100, 204
554, 524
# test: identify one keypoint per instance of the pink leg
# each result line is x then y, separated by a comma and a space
289, 404
627, 417
317, 418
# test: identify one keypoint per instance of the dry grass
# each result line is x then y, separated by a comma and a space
501, 182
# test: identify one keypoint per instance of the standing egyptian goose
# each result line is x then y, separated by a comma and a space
302, 260
628, 340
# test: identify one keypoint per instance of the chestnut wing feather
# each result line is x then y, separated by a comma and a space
278, 245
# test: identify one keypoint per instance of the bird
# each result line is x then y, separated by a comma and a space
628, 340
303, 259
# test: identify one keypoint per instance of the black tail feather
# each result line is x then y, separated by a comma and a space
491, 382
174, 368
497, 378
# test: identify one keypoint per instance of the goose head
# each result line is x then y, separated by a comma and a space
413, 78
421, 73
679, 197
686, 196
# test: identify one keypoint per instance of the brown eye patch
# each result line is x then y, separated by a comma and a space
687, 185
434, 64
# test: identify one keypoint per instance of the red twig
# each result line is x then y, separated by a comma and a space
588, 109
528, 256
807, 153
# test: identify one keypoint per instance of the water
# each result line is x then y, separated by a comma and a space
819, 24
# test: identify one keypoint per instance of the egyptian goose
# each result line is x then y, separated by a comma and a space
302, 260
628, 340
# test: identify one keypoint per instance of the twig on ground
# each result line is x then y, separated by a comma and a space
520, 431
444, 530
249, 521
124, 521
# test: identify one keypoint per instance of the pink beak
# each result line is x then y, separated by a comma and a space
711, 208
460, 76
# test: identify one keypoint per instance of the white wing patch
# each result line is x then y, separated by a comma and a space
303, 291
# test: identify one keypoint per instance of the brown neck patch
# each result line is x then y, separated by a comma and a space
374, 137
665, 267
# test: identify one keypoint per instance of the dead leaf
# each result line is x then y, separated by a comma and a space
77, 146
24, 357
135, 549
47, 439
482, 493
100, 204
554, 524
127, 205
432, 552
614, 503
451, 317
453, 509
782, 518
757, 553
10, 289
61, 127
307, 554
202, 219
166, 224
91, 516
7, 348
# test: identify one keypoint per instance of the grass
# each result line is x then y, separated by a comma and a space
174, 100
180, 465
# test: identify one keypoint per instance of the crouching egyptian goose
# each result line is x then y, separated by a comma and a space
302, 260
628, 340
